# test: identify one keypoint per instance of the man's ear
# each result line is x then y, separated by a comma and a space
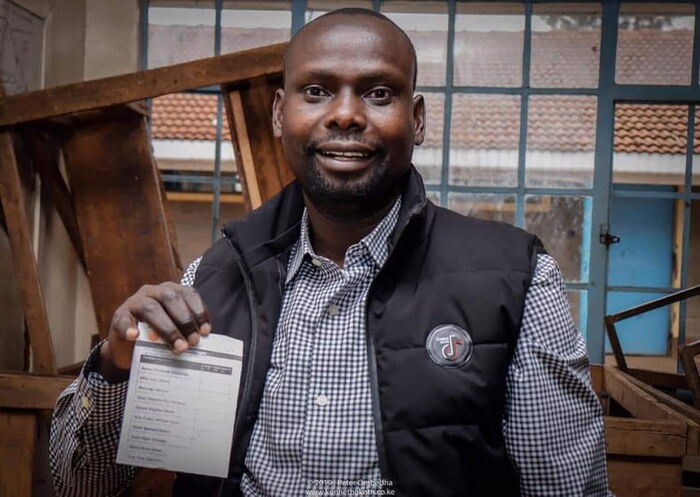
419, 118
277, 110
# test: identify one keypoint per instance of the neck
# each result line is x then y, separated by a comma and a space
331, 236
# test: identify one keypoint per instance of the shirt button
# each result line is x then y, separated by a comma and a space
316, 262
321, 401
332, 309
85, 402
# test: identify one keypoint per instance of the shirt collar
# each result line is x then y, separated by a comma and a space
376, 242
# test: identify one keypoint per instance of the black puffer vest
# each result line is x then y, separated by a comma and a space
438, 428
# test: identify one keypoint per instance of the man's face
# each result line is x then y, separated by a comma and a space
347, 116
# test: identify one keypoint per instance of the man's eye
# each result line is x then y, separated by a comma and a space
315, 92
380, 94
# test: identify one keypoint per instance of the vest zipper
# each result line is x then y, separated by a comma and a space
253, 335
372, 359
372, 369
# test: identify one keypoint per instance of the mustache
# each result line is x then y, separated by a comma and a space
315, 143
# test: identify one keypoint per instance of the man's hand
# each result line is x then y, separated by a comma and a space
175, 313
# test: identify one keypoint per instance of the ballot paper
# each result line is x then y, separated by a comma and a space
180, 409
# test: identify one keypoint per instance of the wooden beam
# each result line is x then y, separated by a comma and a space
259, 157
645, 477
224, 198
644, 437
17, 441
45, 154
243, 150
88, 95
688, 351
171, 232
659, 378
23, 259
122, 218
635, 400
687, 414
28, 391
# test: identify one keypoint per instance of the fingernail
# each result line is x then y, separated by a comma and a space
193, 339
205, 329
180, 345
152, 336
132, 333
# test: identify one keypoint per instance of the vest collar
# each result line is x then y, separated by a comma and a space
275, 225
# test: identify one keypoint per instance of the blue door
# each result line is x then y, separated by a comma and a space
639, 263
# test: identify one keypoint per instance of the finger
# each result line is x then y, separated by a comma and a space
151, 312
124, 325
198, 308
172, 301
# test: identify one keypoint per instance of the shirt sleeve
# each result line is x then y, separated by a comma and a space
553, 426
85, 431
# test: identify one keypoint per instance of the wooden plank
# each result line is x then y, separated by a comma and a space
27, 391
17, 440
689, 415
643, 437
243, 150
88, 95
115, 185
224, 198
659, 378
23, 259
644, 477
259, 154
169, 221
45, 154
688, 352
597, 372
639, 403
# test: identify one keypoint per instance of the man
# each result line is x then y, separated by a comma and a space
390, 345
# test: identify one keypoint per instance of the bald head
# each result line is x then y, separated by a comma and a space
355, 16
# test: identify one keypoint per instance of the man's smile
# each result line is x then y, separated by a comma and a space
343, 156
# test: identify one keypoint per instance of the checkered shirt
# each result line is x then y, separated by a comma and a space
315, 421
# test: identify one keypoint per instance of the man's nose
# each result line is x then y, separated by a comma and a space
346, 112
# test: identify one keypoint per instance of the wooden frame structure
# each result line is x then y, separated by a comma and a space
668, 381
99, 129
646, 440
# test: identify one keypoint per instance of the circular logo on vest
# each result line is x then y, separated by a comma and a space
449, 345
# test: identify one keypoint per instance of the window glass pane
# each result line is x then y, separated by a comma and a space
316, 8
428, 156
243, 27
484, 138
180, 34
655, 44
561, 141
328, 5
563, 224
184, 142
484, 206
578, 302
650, 144
565, 46
425, 24
433, 196
696, 149
488, 47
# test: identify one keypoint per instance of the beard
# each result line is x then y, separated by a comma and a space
349, 196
